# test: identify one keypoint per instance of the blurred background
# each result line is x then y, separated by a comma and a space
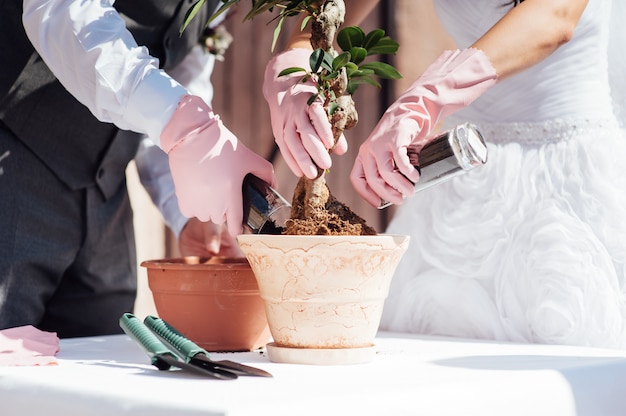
238, 99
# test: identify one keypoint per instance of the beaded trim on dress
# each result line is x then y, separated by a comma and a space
550, 131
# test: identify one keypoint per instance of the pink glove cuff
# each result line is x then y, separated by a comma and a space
453, 81
191, 114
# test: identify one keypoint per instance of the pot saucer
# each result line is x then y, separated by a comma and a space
320, 356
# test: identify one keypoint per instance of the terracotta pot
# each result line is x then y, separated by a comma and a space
323, 293
214, 302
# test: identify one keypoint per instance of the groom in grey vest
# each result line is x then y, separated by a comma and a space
67, 249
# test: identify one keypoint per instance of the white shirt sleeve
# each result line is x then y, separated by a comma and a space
154, 173
89, 49
194, 72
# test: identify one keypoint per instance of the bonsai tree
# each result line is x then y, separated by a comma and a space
337, 76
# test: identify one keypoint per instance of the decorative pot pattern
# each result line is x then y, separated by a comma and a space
323, 291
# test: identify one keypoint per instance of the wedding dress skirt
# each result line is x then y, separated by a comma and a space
530, 247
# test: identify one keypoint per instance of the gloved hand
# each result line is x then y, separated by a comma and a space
208, 164
382, 170
302, 131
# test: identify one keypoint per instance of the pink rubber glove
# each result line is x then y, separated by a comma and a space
450, 83
208, 164
302, 132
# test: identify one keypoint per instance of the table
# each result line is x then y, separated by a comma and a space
411, 375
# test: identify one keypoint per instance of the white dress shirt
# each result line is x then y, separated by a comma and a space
95, 57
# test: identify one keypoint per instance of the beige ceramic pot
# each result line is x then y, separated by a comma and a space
323, 295
214, 302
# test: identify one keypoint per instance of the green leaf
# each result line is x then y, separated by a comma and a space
367, 80
291, 70
320, 59
287, 8
327, 62
305, 21
314, 97
354, 83
362, 73
350, 68
316, 59
372, 38
341, 60
330, 75
259, 7
358, 54
277, 30
349, 37
332, 107
385, 46
191, 13
382, 69
352, 87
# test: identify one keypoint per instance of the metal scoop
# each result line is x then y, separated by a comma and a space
447, 155
265, 211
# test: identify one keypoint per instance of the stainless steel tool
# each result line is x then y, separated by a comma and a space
265, 210
447, 155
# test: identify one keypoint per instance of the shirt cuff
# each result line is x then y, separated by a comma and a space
153, 103
172, 216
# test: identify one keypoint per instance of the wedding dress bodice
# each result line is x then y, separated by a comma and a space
574, 80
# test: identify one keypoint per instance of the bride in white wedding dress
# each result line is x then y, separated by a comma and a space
530, 247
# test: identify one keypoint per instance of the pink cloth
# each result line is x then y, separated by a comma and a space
27, 345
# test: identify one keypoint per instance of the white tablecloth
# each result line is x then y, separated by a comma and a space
410, 376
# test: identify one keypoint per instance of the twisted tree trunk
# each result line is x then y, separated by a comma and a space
314, 209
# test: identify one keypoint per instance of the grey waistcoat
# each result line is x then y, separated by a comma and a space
63, 133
